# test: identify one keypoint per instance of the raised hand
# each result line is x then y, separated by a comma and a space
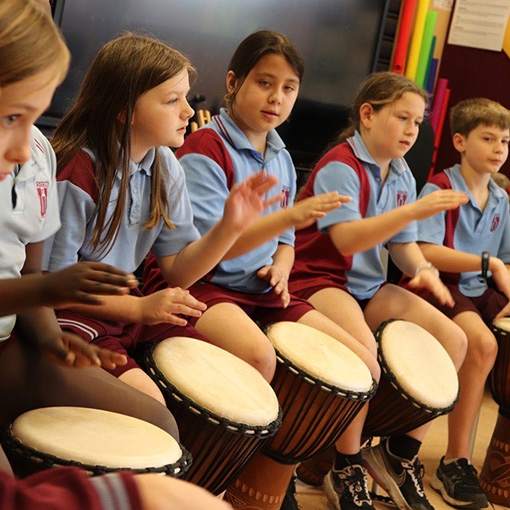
83, 283
306, 211
437, 201
278, 279
70, 350
166, 305
246, 200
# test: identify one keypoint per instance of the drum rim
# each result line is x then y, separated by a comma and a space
168, 389
176, 470
436, 411
497, 329
357, 396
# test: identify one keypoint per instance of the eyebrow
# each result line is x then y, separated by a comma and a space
269, 75
24, 106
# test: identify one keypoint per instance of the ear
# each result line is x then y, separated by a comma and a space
459, 142
121, 116
231, 82
366, 112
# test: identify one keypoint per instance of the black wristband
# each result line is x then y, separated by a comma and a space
485, 264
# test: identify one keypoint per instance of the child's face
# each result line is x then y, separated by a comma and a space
161, 114
391, 131
485, 149
266, 96
21, 104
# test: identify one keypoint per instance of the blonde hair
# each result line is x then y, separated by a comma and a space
471, 113
29, 43
379, 90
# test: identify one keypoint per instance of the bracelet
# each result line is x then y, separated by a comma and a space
485, 264
427, 265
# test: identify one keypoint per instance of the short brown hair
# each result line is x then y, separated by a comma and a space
471, 113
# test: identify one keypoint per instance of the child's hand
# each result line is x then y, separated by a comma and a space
505, 312
438, 201
279, 280
306, 211
83, 283
428, 279
245, 202
70, 350
165, 306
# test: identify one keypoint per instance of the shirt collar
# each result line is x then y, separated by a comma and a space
238, 139
397, 165
460, 185
144, 166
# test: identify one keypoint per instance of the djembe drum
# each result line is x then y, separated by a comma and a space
95, 440
495, 474
224, 407
418, 383
321, 386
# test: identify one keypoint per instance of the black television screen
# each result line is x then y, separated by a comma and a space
337, 38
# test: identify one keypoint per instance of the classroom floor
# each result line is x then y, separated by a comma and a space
310, 498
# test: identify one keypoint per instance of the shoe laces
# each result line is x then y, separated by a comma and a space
464, 471
354, 479
416, 471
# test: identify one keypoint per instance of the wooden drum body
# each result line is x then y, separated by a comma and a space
321, 386
223, 406
495, 474
418, 380
95, 440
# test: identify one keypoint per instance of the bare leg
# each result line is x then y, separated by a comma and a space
481, 355
229, 327
4, 463
138, 379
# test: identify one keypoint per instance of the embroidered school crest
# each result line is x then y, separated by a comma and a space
495, 222
42, 193
285, 197
401, 198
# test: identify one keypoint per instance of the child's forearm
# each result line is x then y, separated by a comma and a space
284, 257
453, 261
113, 308
19, 294
407, 256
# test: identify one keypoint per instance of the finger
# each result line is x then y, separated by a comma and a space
82, 348
175, 320
285, 298
104, 289
112, 279
262, 272
87, 299
272, 200
263, 187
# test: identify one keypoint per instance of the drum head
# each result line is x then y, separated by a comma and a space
503, 323
96, 437
320, 356
419, 363
217, 381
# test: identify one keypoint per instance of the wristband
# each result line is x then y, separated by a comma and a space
427, 265
485, 264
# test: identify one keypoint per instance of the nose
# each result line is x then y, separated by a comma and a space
275, 96
188, 112
18, 149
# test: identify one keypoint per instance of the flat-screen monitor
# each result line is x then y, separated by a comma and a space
337, 38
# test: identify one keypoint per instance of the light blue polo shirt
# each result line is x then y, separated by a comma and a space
367, 272
216, 157
468, 228
78, 194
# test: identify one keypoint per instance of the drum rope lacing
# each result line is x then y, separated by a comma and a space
169, 390
11, 443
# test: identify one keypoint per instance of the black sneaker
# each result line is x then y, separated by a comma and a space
458, 484
290, 502
399, 477
347, 489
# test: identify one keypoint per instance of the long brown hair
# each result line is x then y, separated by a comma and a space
124, 69
379, 90
29, 43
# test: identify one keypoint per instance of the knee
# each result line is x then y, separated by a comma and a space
456, 345
263, 359
483, 350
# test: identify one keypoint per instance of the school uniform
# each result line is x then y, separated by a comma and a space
472, 230
69, 488
349, 169
78, 195
28, 213
214, 158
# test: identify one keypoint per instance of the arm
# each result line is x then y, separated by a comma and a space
411, 261
355, 236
